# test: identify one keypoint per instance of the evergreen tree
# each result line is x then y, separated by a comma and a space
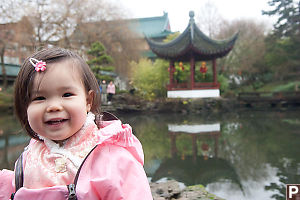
283, 46
288, 12
100, 62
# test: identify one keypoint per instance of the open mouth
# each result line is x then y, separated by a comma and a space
55, 122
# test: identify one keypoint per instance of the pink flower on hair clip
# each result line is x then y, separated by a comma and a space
38, 64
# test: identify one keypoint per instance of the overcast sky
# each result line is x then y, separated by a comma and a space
178, 10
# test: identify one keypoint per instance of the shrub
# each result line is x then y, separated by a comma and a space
150, 79
224, 83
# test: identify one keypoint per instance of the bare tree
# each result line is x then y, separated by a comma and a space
76, 24
44, 15
121, 43
209, 19
8, 8
98, 21
73, 24
249, 49
7, 31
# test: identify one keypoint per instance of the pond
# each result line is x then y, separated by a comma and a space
248, 155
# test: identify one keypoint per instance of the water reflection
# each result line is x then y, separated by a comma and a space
245, 156
196, 132
12, 141
252, 156
203, 166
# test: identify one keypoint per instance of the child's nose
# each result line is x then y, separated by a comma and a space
54, 106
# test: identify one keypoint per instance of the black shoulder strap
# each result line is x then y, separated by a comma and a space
72, 187
107, 116
19, 175
79, 169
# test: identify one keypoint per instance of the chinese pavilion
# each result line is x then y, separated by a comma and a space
192, 46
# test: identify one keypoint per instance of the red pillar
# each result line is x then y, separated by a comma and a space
192, 75
171, 72
214, 71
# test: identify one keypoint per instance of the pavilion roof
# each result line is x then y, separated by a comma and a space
192, 42
151, 27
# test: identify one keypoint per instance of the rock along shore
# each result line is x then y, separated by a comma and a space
171, 190
127, 103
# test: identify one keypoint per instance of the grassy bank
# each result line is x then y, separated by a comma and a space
279, 86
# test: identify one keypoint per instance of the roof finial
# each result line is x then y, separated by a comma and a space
192, 14
192, 23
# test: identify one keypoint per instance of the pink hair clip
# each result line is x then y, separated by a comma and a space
38, 64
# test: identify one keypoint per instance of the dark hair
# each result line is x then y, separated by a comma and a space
27, 73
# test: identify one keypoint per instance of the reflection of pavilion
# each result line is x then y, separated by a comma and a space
195, 169
196, 131
201, 171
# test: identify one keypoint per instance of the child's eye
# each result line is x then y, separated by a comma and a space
67, 94
39, 98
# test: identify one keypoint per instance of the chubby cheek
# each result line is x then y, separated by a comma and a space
34, 118
77, 111
78, 117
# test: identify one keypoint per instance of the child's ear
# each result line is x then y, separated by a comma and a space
89, 100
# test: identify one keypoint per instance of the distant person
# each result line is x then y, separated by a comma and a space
103, 86
76, 152
111, 90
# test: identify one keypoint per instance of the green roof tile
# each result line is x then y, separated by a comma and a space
152, 27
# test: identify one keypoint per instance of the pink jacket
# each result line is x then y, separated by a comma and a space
111, 89
113, 170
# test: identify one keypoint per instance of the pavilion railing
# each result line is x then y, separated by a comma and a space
196, 86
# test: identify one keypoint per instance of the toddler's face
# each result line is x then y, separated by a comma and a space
59, 102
